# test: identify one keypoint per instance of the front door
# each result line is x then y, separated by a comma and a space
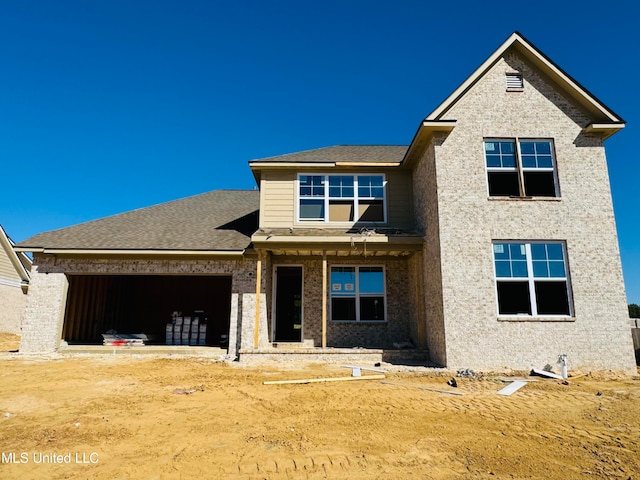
288, 304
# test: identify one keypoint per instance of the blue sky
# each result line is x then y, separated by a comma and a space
108, 106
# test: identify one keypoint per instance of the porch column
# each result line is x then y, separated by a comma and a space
324, 299
256, 330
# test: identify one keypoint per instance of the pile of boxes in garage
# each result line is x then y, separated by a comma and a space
187, 330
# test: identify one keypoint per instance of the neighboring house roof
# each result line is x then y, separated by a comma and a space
15, 265
377, 154
221, 220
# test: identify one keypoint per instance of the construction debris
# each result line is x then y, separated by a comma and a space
466, 372
184, 391
544, 373
356, 371
512, 387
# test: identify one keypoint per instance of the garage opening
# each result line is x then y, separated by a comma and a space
137, 304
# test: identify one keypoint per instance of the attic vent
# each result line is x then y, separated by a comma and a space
514, 81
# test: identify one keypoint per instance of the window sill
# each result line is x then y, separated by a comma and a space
524, 199
528, 318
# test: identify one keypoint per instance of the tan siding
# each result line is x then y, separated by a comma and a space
277, 200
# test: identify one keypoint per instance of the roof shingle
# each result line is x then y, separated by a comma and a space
214, 220
343, 153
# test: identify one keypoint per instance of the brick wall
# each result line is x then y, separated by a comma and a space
44, 313
426, 207
467, 222
353, 334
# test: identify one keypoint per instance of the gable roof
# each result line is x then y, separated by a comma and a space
599, 111
340, 154
18, 260
217, 221
604, 121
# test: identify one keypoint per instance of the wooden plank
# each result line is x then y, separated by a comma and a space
329, 379
256, 332
448, 392
512, 387
324, 299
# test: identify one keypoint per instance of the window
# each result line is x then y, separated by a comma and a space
532, 278
522, 168
357, 294
341, 198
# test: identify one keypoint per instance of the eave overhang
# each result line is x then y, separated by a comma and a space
12, 253
426, 131
604, 130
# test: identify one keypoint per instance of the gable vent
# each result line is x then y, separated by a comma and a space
514, 81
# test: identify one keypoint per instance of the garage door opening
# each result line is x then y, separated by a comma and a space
131, 304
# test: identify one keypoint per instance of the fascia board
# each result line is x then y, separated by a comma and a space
80, 251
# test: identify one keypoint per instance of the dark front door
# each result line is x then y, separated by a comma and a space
288, 304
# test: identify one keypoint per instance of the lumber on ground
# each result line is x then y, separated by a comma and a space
328, 379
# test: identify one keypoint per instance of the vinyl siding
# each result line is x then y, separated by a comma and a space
7, 270
278, 199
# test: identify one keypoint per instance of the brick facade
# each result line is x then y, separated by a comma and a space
467, 222
44, 314
441, 297
355, 334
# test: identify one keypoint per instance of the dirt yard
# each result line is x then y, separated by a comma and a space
118, 417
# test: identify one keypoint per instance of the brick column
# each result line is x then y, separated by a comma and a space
44, 314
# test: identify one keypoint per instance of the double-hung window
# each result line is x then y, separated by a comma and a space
532, 278
341, 198
521, 168
357, 294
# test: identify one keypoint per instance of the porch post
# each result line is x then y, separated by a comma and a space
324, 299
256, 330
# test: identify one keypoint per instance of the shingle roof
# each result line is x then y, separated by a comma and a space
344, 153
217, 220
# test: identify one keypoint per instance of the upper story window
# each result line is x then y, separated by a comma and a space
521, 168
532, 278
341, 198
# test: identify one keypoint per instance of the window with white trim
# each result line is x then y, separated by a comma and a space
341, 198
357, 293
532, 278
521, 168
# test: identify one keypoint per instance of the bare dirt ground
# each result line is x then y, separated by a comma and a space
119, 417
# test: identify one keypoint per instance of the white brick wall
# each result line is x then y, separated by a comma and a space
467, 222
